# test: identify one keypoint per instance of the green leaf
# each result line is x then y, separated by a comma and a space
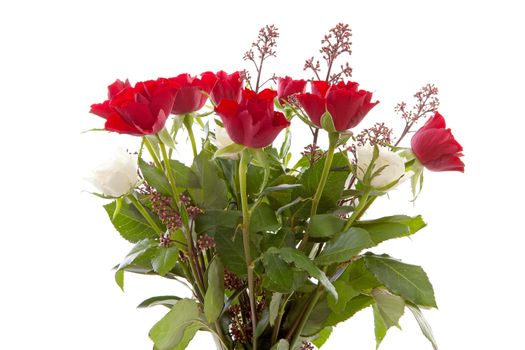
301, 261
211, 219
285, 147
327, 122
324, 226
263, 219
407, 281
316, 321
423, 324
130, 223
380, 328
213, 193
283, 238
262, 161
334, 185
278, 276
184, 177
229, 151
392, 227
137, 251
391, 307
164, 300
166, 138
165, 259
275, 304
322, 337
344, 246
359, 277
119, 279
281, 345
214, 298
176, 326
417, 179
352, 307
278, 188
345, 293
231, 252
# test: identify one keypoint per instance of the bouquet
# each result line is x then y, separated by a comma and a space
273, 245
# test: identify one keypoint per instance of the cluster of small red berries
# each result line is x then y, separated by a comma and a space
232, 281
205, 242
161, 205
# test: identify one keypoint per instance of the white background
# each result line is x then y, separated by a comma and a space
57, 245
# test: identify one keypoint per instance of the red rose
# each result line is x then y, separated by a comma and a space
252, 122
190, 97
103, 109
287, 86
347, 105
228, 86
436, 148
138, 110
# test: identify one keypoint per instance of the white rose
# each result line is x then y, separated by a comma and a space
223, 140
394, 166
116, 175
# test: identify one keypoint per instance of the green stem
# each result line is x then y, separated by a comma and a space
145, 214
243, 169
357, 211
152, 152
304, 317
188, 122
320, 186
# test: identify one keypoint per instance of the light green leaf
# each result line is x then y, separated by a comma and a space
229, 151
380, 328
324, 226
184, 177
407, 281
423, 324
275, 304
322, 337
176, 326
278, 188
281, 345
327, 122
119, 278
165, 259
345, 293
130, 223
166, 138
345, 246
164, 300
391, 307
214, 298
301, 261
392, 227
352, 307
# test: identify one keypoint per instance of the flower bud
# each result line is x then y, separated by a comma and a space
223, 140
388, 168
116, 175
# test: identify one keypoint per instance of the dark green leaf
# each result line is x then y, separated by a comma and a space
138, 250
211, 219
212, 193
281, 345
345, 246
317, 319
275, 304
214, 298
345, 293
392, 227
301, 261
354, 305
324, 226
176, 326
359, 278
130, 223
184, 177
164, 300
283, 238
165, 259
231, 253
278, 276
407, 281
263, 219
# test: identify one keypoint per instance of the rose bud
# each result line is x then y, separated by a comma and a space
287, 86
252, 122
387, 170
228, 86
436, 148
139, 110
116, 175
190, 96
347, 105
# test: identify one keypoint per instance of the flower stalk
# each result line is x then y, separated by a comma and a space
246, 215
